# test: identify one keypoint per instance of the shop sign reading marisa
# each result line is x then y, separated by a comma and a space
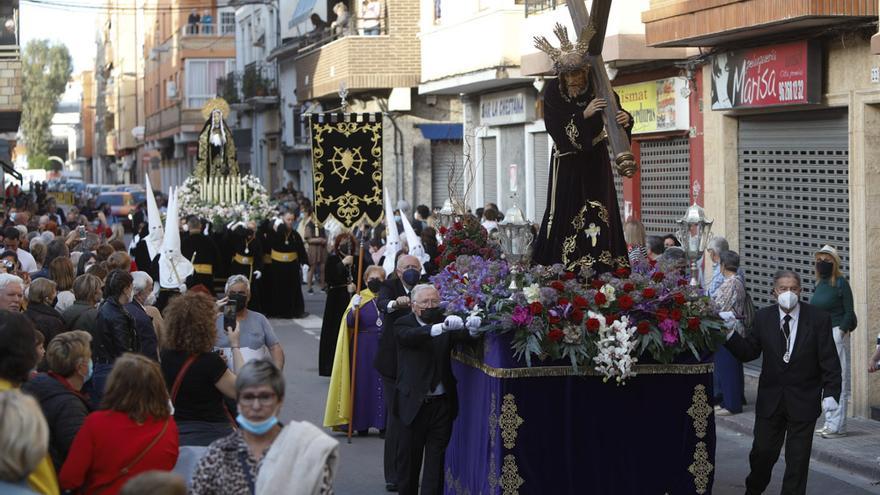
788, 74
509, 107
656, 106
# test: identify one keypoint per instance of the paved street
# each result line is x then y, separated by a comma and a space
360, 471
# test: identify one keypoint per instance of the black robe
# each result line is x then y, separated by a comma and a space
582, 227
243, 248
337, 276
286, 282
206, 255
264, 284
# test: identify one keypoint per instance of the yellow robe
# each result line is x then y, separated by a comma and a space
338, 408
42, 479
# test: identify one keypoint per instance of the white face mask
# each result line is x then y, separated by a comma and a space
788, 300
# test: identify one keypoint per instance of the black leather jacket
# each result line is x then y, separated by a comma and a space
116, 332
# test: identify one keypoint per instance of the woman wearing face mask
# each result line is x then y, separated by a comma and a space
257, 338
263, 456
834, 296
115, 331
369, 405
340, 276
69, 359
41, 308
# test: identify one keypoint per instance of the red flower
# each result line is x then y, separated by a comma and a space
580, 302
609, 319
450, 258
457, 226
556, 284
593, 325
555, 335
577, 316
658, 276
625, 302
693, 323
568, 275
536, 308
621, 272
644, 327
676, 314
682, 282
662, 314
679, 298
441, 248
469, 301
649, 293
597, 284
629, 287
600, 299
554, 319
652, 263
562, 301
456, 241
443, 230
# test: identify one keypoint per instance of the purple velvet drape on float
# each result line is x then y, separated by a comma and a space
566, 434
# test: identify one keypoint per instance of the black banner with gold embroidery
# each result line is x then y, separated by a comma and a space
347, 167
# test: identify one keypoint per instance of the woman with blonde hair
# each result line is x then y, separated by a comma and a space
201, 375
634, 233
133, 433
24, 440
62, 272
41, 308
834, 296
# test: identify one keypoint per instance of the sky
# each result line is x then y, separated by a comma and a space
72, 27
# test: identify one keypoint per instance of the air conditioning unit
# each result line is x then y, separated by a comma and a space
171, 89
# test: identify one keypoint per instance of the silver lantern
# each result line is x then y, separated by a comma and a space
449, 214
693, 234
515, 237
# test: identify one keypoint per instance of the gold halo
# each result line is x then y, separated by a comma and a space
215, 104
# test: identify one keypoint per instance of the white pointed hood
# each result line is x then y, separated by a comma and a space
392, 238
414, 242
174, 269
154, 220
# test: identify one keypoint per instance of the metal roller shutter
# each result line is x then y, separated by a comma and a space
793, 195
443, 155
541, 161
665, 188
618, 189
490, 171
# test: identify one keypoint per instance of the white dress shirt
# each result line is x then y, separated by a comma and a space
792, 325
28, 264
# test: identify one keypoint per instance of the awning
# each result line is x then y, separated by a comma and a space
441, 132
302, 12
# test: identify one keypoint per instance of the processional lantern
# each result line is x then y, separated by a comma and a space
693, 234
515, 237
449, 214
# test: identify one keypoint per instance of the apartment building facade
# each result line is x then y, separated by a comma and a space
10, 84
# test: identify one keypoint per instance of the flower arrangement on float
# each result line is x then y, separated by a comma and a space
226, 199
465, 237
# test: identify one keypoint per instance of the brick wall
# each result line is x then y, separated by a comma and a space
10, 86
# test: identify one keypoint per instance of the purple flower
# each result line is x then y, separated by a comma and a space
521, 316
670, 331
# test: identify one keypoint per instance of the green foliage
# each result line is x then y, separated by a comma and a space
46, 69
39, 161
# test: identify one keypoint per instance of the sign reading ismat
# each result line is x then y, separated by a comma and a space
656, 106
788, 74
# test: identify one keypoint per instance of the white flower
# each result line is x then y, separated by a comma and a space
608, 291
532, 293
615, 347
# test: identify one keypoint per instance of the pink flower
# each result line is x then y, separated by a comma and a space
521, 316
670, 331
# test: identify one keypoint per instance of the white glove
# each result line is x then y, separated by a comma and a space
235, 225
473, 322
356, 301
452, 322
829, 404
257, 274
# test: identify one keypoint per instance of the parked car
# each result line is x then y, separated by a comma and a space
121, 205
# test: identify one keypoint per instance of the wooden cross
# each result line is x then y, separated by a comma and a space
617, 138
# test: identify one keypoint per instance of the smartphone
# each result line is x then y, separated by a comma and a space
229, 311
82, 232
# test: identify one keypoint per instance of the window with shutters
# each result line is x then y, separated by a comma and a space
793, 195
665, 187
201, 79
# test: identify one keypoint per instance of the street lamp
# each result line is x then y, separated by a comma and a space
693, 234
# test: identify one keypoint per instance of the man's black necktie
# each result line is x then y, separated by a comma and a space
786, 333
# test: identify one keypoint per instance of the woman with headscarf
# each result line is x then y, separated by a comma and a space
341, 279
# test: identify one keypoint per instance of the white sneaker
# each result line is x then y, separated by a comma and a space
820, 431
720, 411
831, 434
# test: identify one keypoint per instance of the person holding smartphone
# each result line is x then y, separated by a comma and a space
257, 338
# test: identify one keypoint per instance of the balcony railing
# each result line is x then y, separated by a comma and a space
9, 34
255, 81
536, 6
207, 29
355, 26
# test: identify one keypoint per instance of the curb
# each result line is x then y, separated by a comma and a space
863, 467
